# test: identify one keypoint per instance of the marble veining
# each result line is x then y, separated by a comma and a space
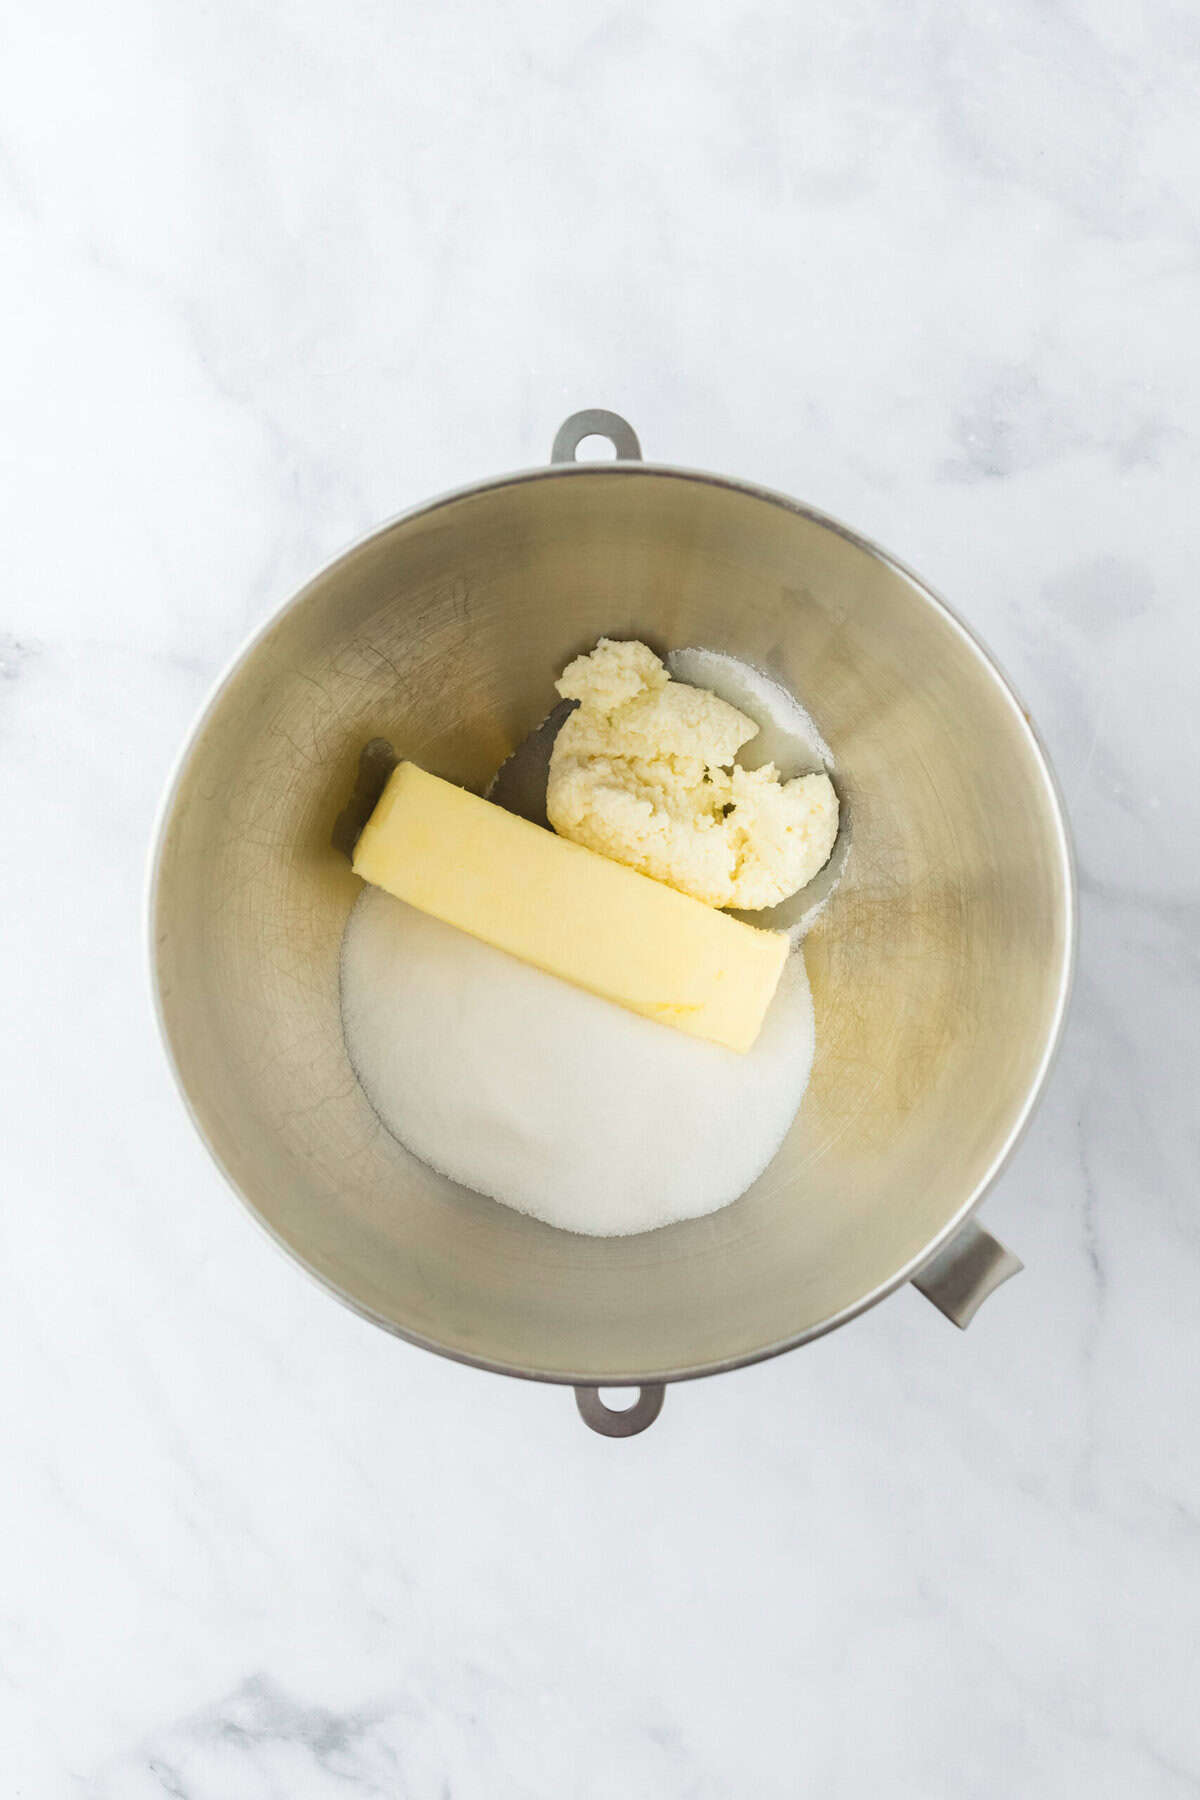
273, 273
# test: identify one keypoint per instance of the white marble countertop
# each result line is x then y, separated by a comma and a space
275, 271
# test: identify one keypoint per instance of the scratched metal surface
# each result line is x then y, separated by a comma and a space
938, 969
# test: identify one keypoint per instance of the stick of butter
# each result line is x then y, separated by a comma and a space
568, 910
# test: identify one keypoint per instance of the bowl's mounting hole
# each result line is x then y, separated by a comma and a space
595, 448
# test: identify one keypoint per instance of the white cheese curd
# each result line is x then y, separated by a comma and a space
643, 771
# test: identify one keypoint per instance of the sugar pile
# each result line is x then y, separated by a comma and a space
546, 1098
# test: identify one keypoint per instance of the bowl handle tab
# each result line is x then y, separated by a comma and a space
965, 1271
595, 422
610, 1422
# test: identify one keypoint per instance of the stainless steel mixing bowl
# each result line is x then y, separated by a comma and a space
940, 969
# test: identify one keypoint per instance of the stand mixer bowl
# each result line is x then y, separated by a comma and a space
940, 967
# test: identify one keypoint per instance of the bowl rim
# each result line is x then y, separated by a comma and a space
609, 471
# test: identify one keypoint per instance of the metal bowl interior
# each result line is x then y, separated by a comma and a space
939, 970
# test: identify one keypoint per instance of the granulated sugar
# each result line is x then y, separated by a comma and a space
553, 1101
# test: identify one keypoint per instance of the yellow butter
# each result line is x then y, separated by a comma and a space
569, 910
